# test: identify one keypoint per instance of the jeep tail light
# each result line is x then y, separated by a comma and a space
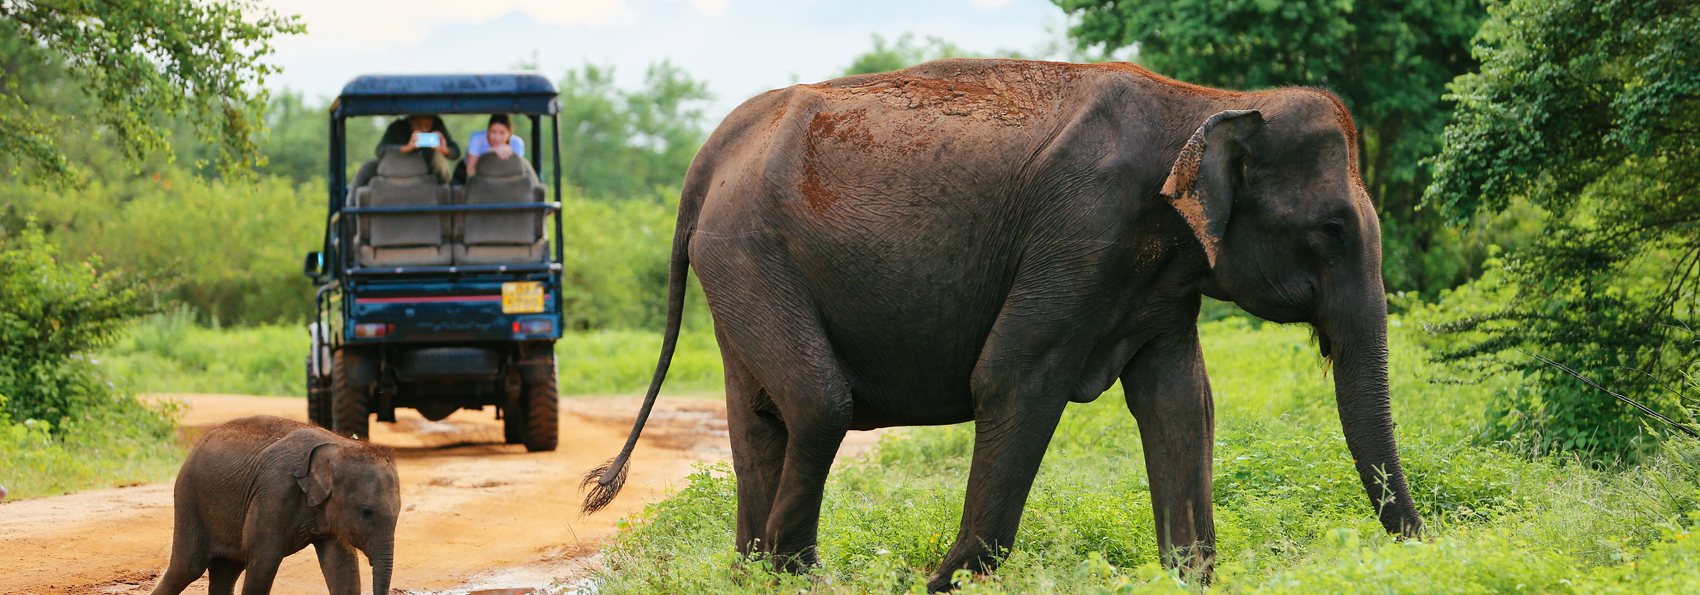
372, 330
534, 326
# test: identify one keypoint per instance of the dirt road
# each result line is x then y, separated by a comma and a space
477, 514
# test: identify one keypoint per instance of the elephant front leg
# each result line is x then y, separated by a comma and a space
222, 573
340, 565
1169, 394
1010, 438
260, 572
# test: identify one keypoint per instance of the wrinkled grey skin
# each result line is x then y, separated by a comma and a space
989, 240
260, 488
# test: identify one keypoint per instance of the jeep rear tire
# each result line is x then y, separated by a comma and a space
349, 404
542, 403
318, 398
513, 419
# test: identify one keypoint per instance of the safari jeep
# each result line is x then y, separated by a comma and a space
439, 297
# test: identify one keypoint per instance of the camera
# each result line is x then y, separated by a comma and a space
429, 140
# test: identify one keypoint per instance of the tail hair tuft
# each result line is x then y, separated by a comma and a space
602, 493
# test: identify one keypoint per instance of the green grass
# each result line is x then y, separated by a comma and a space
125, 443
170, 353
1290, 514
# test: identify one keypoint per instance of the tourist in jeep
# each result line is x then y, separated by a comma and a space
422, 131
497, 137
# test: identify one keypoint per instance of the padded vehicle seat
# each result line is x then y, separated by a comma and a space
501, 237
402, 239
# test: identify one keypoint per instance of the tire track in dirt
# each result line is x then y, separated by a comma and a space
477, 514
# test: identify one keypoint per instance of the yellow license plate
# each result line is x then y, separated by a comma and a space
524, 297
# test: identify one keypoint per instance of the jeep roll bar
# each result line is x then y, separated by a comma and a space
522, 93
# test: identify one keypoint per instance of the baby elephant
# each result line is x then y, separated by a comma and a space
260, 488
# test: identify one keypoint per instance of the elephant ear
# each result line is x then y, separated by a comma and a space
313, 473
1201, 182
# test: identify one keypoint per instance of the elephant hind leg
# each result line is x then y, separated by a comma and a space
758, 451
222, 579
787, 419
182, 571
788, 398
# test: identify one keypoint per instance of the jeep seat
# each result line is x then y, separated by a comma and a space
501, 237
401, 239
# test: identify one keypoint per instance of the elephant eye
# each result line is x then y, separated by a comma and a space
1336, 230
366, 511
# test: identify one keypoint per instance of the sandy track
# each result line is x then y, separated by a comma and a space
477, 514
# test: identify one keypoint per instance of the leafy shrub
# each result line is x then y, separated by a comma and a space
125, 441
56, 313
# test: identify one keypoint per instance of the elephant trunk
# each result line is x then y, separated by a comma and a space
382, 556
1358, 345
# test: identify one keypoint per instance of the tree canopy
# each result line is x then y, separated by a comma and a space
1389, 60
1591, 111
142, 62
618, 143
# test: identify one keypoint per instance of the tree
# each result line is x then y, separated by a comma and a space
887, 56
1591, 111
142, 62
1389, 60
624, 144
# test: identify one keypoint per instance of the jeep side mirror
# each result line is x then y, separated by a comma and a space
314, 265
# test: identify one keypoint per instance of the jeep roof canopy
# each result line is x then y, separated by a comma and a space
507, 93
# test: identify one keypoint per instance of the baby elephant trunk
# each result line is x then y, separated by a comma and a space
382, 556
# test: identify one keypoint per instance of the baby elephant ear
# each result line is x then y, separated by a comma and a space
313, 473
1201, 183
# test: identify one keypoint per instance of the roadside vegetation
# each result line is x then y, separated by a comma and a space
1291, 516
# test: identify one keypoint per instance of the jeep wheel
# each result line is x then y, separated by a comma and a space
542, 406
349, 403
513, 419
318, 398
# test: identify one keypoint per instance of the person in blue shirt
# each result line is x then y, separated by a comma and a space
497, 137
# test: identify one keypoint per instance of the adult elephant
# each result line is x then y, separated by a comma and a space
989, 240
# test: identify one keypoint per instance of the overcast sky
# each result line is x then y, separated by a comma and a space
740, 47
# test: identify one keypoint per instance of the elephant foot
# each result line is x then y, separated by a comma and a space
945, 583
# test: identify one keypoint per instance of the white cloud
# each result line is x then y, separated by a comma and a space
990, 3
380, 23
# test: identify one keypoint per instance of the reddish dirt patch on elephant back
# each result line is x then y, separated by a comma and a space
1003, 91
477, 514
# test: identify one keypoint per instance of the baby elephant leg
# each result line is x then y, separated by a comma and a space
222, 577
341, 566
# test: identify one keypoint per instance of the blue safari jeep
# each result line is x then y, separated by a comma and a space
437, 294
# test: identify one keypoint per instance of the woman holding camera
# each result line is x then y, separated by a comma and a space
422, 131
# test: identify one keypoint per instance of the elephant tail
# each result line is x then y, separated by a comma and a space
604, 482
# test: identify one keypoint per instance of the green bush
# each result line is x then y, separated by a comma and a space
55, 313
123, 442
63, 424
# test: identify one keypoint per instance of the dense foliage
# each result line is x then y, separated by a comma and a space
141, 62
618, 143
1389, 60
56, 313
1590, 111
